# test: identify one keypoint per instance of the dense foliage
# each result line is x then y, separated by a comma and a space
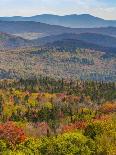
78, 63
45, 116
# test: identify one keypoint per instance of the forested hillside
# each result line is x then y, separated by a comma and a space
48, 116
93, 38
8, 41
57, 84
82, 64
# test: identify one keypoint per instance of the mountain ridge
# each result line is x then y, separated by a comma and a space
67, 41
72, 20
99, 39
8, 41
15, 27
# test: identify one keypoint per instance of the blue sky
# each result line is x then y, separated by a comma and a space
101, 8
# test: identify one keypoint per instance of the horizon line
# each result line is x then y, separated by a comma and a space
56, 15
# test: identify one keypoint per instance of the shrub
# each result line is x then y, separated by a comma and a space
11, 134
31, 146
92, 130
66, 144
108, 107
106, 144
3, 146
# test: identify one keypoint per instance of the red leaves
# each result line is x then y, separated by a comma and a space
11, 133
81, 124
74, 126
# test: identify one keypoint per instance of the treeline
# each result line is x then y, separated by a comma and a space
98, 91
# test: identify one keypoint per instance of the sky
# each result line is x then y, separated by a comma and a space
101, 8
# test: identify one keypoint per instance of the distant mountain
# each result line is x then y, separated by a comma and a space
10, 41
73, 44
74, 20
68, 42
98, 39
28, 27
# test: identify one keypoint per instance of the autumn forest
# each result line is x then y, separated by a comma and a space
57, 77
57, 117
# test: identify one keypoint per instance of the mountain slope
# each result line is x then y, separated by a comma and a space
80, 64
28, 26
98, 39
21, 27
73, 44
10, 41
74, 20
68, 42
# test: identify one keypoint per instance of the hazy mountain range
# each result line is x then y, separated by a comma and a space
53, 36
32, 47
40, 29
94, 38
65, 41
73, 20
8, 41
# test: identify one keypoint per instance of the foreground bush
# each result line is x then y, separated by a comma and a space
92, 130
11, 134
73, 143
66, 144
106, 144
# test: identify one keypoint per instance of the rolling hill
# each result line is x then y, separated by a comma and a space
80, 64
87, 53
73, 44
11, 41
93, 38
27, 27
65, 41
73, 20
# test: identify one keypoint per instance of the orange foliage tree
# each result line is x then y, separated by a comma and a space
11, 134
108, 107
